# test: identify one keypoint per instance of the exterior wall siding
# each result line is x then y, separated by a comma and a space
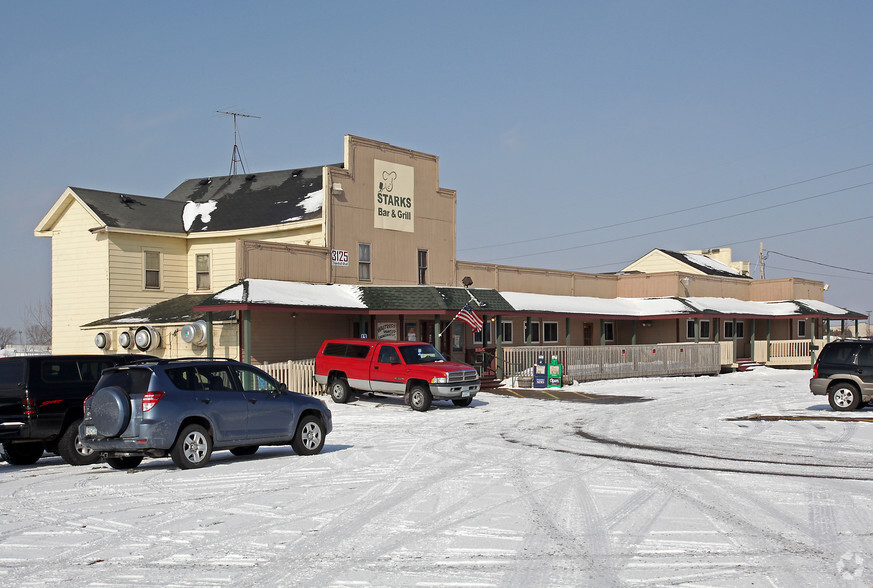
80, 284
127, 288
394, 253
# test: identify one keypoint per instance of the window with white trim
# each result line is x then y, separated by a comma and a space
202, 270
729, 330
801, 328
422, 266
550, 332
609, 331
364, 273
703, 326
152, 270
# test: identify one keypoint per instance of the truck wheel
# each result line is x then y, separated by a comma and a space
420, 398
462, 401
124, 463
309, 437
192, 448
23, 453
340, 390
844, 396
72, 450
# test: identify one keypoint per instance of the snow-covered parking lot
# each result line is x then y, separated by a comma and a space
508, 492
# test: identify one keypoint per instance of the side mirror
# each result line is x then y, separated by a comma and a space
283, 388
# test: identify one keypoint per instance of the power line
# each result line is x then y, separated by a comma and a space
648, 218
685, 226
822, 264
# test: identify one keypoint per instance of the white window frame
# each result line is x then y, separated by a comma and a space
740, 330
422, 269
690, 330
801, 322
198, 273
548, 341
368, 263
145, 269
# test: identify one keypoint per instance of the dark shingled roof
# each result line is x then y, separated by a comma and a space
705, 269
430, 298
175, 310
126, 211
243, 201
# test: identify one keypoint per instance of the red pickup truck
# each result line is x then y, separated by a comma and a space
412, 369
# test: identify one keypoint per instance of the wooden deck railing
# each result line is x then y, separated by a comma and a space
298, 375
614, 361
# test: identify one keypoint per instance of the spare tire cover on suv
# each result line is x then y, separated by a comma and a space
110, 410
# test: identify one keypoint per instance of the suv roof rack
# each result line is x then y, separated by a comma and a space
188, 359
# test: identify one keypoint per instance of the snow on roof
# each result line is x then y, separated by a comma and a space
710, 263
313, 201
523, 301
293, 294
194, 209
651, 307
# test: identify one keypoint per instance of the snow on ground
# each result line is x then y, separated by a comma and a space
660, 488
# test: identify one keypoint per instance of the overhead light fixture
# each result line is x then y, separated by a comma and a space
467, 281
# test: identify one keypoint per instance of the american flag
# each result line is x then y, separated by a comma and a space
469, 316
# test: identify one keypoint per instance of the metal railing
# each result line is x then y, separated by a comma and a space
583, 364
298, 375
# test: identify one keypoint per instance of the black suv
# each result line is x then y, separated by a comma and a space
185, 408
41, 404
844, 373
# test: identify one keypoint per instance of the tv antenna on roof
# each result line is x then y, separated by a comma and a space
235, 156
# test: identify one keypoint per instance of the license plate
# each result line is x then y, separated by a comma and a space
465, 394
90, 431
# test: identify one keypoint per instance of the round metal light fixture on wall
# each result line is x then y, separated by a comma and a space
195, 333
103, 340
125, 340
147, 338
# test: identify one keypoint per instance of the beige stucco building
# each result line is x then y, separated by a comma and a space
276, 262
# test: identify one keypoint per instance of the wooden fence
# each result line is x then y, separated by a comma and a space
583, 364
298, 375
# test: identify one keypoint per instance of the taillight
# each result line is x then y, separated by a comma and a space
150, 399
815, 370
85, 404
29, 406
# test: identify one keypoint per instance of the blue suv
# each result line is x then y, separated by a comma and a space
186, 408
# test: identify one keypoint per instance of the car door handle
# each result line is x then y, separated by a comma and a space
253, 400
375, 367
205, 400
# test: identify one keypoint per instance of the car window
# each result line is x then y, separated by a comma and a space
184, 378
388, 354
90, 370
214, 378
135, 380
865, 356
59, 370
839, 353
424, 353
254, 381
11, 373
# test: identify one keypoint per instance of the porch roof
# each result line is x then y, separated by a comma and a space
254, 293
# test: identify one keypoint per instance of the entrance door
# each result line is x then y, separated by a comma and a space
587, 330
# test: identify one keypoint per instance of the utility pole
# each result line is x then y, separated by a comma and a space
761, 259
235, 156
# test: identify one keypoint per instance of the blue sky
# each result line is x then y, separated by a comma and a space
565, 119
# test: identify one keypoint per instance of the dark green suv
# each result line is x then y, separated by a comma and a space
844, 373
41, 400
